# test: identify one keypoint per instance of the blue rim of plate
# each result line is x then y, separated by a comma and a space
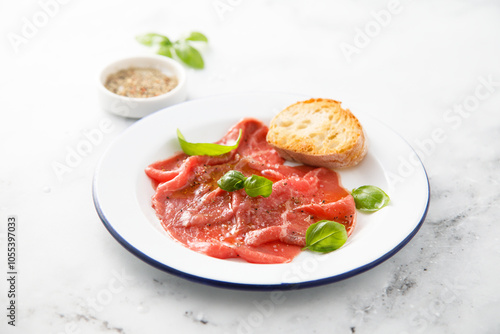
261, 287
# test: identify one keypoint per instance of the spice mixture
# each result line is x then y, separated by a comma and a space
140, 82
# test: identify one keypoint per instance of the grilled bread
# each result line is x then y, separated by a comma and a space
318, 132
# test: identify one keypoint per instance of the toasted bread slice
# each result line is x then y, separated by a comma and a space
318, 132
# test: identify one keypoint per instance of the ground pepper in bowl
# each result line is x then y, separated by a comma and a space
140, 82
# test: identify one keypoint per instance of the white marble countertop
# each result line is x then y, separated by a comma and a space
429, 70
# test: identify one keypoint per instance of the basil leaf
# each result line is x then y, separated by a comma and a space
325, 236
254, 185
258, 186
189, 55
151, 39
231, 181
370, 198
197, 36
205, 148
165, 50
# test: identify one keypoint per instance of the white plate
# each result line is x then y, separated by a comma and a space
122, 196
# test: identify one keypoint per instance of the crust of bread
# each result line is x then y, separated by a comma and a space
318, 132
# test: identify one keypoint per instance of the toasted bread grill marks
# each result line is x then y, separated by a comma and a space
318, 132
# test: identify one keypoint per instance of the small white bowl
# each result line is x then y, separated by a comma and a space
134, 107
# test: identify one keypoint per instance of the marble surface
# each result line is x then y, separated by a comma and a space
430, 70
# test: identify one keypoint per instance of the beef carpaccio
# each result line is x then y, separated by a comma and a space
203, 217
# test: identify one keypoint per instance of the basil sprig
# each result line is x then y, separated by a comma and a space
254, 185
370, 198
325, 236
205, 148
182, 47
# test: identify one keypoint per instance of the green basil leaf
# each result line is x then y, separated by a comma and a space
231, 181
325, 236
205, 148
258, 186
151, 39
370, 198
254, 185
165, 50
189, 55
197, 36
